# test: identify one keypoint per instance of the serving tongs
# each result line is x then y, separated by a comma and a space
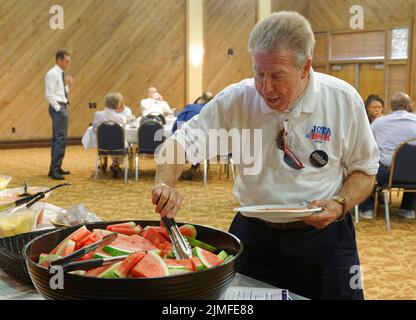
181, 248
66, 264
30, 199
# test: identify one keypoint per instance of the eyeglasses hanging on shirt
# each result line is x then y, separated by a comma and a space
289, 157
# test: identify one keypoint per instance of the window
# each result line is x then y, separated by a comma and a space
399, 43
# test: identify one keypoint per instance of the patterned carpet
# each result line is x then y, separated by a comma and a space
388, 258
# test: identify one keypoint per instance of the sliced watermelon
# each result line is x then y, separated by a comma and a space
180, 266
162, 230
110, 272
198, 266
46, 259
228, 259
128, 228
156, 239
127, 245
151, 265
79, 272
127, 264
67, 248
97, 271
90, 239
114, 250
87, 256
196, 243
100, 253
188, 230
76, 236
222, 255
207, 258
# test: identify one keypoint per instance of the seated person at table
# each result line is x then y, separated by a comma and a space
112, 112
374, 107
127, 113
154, 103
389, 131
190, 111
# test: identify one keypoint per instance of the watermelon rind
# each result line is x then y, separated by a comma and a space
197, 252
78, 272
68, 244
222, 255
197, 243
198, 264
109, 273
100, 255
116, 251
174, 271
228, 259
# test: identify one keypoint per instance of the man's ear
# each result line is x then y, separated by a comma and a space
306, 69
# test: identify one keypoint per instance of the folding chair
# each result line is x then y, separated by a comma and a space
111, 142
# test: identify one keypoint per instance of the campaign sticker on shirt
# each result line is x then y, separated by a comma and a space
319, 134
319, 158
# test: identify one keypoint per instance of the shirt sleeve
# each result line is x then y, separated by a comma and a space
50, 83
361, 151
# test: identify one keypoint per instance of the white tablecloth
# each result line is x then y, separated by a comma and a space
89, 140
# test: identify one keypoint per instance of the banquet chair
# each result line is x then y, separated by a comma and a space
111, 142
150, 136
402, 175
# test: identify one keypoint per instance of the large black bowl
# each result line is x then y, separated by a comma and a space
208, 284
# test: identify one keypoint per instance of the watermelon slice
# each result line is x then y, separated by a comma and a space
156, 239
66, 248
78, 272
76, 236
46, 259
207, 258
110, 272
228, 259
125, 246
188, 230
127, 264
180, 266
127, 228
196, 243
222, 255
90, 239
87, 256
100, 253
151, 265
198, 266
97, 271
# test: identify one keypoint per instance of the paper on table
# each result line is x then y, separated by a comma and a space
248, 293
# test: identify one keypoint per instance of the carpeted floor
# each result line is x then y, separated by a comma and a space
388, 258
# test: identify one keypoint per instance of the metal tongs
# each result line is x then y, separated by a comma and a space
66, 264
181, 247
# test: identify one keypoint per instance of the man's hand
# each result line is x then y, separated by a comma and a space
167, 200
332, 211
69, 80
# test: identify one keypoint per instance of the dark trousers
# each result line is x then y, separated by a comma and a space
408, 201
317, 264
59, 136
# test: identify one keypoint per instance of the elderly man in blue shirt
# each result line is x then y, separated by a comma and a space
190, 111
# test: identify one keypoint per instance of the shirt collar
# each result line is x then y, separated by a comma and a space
306, 104
59, 68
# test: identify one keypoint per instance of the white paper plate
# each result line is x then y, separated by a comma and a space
278, 213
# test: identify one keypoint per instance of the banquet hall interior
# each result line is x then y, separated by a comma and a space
184, 48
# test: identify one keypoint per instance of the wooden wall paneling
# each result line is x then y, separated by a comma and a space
347, 73
333, 15
371, 80
320, 54
300, 6
227, 24
118, 45
397, 81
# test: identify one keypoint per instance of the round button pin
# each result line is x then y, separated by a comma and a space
319, 158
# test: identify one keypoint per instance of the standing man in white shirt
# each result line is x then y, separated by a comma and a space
313, 128
57, 86
389, 131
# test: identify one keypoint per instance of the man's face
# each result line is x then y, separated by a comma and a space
277, 79
151, 92
64, 63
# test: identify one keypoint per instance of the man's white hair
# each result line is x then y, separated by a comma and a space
284, 30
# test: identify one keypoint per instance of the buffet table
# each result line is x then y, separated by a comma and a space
11, 289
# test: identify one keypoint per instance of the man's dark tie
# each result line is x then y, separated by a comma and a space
63, 80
